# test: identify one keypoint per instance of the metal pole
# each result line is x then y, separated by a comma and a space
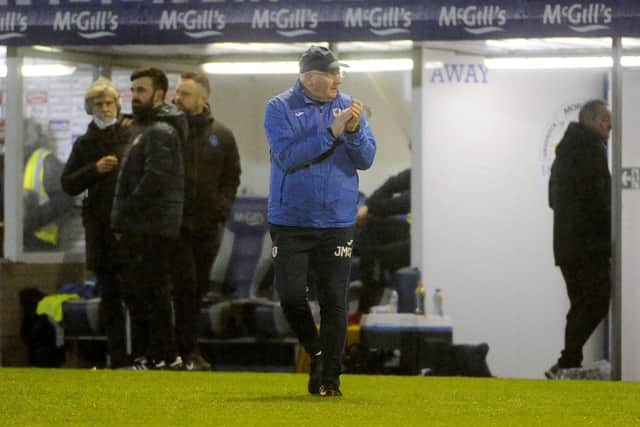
417, 196
616, 213
13, 157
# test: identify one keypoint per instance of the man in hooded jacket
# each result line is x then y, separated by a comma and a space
580, 196
147, 216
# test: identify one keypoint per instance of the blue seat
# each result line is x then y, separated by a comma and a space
242, 264
244, 256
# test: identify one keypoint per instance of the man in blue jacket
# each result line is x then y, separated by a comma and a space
318, 140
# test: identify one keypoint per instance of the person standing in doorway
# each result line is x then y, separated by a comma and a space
580, 196
318, 140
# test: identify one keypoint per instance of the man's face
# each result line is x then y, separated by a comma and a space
190, 97
323, 85
143, 97
601, 123
105, 107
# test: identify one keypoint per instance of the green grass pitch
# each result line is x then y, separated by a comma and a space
70, 397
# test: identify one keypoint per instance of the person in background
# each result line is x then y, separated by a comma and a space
93, 167
318, 140
218, 176
147, 217
580, 196
46, 205
384, 240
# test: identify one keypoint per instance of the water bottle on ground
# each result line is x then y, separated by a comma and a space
393, 301
420, 298
437, 302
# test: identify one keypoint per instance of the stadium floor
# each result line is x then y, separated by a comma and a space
52, 397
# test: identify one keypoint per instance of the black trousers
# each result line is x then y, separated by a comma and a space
384, 245
205, 249
111, 314
104, 257
589, 289
147, 295
186, 302
327, 252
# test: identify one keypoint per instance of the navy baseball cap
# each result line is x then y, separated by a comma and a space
319, 58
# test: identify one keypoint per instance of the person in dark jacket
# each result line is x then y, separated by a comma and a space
218, 176
147, 216
384, 241
93, 166
318, 140
580, 196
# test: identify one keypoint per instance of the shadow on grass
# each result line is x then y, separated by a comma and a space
287, 398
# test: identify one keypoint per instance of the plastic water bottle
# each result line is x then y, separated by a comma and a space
420, 298
393, 301
437, 302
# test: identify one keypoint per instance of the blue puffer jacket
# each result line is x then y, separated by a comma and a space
321, 194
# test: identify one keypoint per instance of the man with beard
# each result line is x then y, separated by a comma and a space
580, 196
93, 166
218, 178
147, 216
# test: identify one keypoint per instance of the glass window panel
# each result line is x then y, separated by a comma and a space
54, 117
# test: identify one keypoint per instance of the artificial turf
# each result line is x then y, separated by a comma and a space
66, 397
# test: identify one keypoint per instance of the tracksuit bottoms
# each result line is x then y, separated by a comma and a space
326, 253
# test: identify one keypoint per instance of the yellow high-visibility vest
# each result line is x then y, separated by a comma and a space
34, 181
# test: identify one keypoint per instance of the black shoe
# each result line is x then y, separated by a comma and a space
196, 363
552, 372
315, 374
176, 365
330, 390
557, 372
138, 364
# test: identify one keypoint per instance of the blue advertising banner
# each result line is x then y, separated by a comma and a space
63, 22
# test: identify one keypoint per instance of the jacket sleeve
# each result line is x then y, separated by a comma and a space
361, 145
78, 174
393, 197
288, 150
592, 186
230, 176
161, 154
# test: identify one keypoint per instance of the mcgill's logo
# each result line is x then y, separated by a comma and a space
12, 25
287, 22
579, 17
251, 218
196, 23
382, 21
89, 24
475, 19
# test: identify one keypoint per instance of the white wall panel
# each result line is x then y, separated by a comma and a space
488, 228
630, 230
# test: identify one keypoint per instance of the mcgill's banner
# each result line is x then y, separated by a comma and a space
64, 22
